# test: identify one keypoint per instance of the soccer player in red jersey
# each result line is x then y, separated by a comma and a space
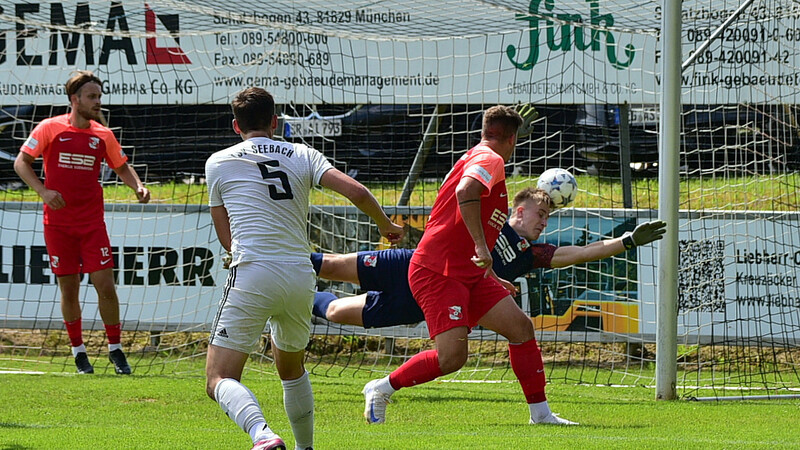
73, 145
455, 284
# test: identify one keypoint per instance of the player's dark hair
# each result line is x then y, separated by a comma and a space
76, 82
535, 194
253, 109
500, 122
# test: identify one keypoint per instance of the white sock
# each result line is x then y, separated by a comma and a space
298, 400
539, 410
384, 386
112, 347
79, 349
261, 431
239, 404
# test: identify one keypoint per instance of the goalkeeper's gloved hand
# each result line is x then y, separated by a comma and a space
227, 258
529, 114
644, 233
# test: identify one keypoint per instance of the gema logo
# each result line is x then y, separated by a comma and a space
559, 34
116, 36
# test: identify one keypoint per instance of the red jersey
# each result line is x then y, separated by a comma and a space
446, 246
72, 158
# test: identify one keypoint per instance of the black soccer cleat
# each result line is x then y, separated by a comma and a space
120, 362
83, 364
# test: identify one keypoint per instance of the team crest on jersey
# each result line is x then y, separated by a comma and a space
93, 141
523, 244
54, 261
455, 312
370, 260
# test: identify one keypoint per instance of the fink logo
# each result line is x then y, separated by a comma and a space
560, 34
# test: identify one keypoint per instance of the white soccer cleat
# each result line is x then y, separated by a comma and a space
376, 401
553, 419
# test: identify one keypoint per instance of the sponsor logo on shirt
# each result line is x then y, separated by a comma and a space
455, 312
370, 260
75, 160
497, 219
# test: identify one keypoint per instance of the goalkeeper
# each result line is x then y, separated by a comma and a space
384, 273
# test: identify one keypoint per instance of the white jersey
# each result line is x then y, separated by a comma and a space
265, 185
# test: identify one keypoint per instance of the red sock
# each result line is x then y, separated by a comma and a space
75, 332
113, 333
526, 360
421, 368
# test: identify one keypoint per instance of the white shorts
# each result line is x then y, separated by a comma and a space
257, 292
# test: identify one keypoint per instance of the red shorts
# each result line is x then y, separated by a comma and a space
449, 303
75, 250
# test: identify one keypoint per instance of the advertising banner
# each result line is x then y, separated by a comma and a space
565, 51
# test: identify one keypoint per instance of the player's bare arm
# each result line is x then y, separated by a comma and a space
363, 199
23, 165
222, 225
129, 176
643, 234
468, 196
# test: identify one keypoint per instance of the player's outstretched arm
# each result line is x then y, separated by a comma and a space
643, 234
363, 199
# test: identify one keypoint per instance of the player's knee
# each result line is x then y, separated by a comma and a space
520, 330
333, 313
449, 363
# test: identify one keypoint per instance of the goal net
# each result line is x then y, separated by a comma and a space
393, 93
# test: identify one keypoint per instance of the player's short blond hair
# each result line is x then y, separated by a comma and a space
77, 81
500, 122
534, 194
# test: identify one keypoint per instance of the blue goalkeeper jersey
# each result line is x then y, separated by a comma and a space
384, 274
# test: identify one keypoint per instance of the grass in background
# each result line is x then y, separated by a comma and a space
753, 193
169, 412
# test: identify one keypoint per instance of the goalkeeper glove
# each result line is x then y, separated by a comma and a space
644, 233
528, 114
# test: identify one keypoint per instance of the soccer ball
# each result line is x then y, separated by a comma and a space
561, 186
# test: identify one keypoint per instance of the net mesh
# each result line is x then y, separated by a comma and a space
380, 85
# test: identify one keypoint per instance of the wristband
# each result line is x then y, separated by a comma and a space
627, 241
